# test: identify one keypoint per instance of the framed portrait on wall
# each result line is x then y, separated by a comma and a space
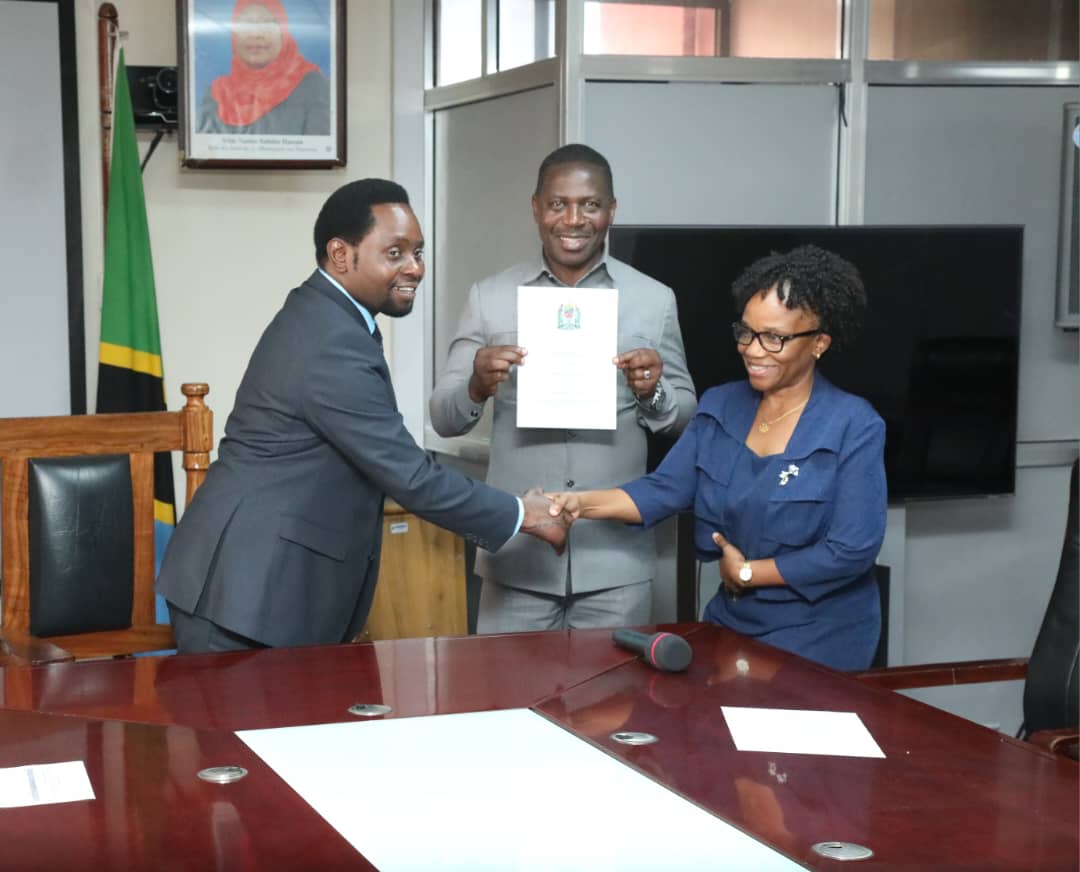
262, 83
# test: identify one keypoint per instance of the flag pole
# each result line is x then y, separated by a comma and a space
108, 36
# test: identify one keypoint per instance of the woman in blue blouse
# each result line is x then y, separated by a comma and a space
784, 471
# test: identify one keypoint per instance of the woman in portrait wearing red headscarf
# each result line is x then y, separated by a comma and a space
272, 88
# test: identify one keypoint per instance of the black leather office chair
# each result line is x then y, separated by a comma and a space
1051, 680
1052, 689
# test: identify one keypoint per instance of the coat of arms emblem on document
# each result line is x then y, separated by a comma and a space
569, 317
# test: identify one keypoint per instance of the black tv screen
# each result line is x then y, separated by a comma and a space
938, 354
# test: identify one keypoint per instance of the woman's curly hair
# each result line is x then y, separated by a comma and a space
809, 278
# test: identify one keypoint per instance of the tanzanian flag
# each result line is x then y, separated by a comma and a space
130, 373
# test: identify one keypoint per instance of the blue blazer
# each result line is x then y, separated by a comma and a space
818, 509
281, 543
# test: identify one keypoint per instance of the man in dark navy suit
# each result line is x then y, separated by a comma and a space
281, 544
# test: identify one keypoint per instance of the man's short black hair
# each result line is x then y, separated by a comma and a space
346, 214
575, 153
809, 278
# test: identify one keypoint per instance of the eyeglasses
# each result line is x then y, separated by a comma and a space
769, 341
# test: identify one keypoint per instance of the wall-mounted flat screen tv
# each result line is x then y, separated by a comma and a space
938, 355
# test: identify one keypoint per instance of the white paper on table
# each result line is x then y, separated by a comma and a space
568, 379
44, 783
797, 731
485, 791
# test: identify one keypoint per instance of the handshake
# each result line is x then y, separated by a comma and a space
547, 519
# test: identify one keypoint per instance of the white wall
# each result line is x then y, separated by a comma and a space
227, 244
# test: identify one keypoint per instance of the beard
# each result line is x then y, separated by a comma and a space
398, 311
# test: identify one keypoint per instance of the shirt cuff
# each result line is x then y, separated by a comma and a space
521, 515
469, 410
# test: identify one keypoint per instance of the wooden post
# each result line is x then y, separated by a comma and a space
108, 34
198, 424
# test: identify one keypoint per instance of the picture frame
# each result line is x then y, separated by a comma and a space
261, 83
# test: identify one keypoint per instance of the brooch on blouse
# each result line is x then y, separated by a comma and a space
785, 474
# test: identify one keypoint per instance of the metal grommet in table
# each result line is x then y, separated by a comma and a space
842, 850
223, 774
633, 738
369, 709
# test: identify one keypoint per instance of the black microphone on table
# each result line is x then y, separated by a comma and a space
665, 651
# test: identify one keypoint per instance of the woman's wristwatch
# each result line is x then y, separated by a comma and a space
746, 574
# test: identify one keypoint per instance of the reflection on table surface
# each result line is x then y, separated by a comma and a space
948, 794
151, 810
277, 687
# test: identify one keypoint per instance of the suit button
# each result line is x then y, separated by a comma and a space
569, 482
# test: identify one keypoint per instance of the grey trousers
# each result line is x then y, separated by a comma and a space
512, 610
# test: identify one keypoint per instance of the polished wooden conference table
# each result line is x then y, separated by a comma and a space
948, 794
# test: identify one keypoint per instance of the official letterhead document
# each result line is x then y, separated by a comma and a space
568, 380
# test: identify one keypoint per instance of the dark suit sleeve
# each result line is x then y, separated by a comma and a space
349, 401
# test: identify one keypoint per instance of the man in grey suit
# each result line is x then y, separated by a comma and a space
281, 544
604, 577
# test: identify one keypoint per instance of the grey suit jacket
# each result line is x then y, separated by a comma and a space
603, 554
281, 543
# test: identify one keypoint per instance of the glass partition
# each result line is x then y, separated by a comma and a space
458, 40
714, 28
526, 32
974, 30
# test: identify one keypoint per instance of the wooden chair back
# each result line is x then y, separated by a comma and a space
138, 435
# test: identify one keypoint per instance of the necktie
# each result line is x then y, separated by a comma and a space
377, 334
